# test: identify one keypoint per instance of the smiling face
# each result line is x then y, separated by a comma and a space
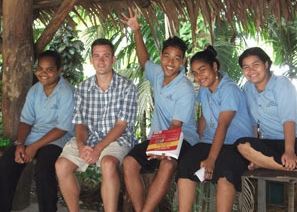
171, 60
47, 72
102, 59
205, 75
256, 71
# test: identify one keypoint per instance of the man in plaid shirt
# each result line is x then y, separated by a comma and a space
104, 114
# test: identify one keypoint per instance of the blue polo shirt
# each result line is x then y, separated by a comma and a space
175, 101
44, 112
227, 97
273, 106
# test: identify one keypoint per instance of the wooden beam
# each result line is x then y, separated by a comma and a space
54, 25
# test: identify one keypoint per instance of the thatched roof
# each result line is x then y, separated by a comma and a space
177, 10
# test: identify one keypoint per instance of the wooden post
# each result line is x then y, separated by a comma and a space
17, 61
17, 69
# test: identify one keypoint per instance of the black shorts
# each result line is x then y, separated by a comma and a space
268, 147
229, 164
149, 166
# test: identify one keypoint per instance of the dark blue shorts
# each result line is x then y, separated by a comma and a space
149, 166
229, 164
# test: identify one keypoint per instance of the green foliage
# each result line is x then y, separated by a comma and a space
4, 141
71, 50
201, 32
284, 43
227, 49
91, 177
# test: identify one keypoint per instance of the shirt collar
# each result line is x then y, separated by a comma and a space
270, 83
59, 85
180, 75
225, 79
112, 84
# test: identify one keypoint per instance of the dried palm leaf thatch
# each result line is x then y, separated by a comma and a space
150, 17
178, 10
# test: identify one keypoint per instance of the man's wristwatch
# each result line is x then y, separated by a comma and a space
18, 143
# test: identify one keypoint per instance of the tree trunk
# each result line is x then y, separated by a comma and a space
17, 61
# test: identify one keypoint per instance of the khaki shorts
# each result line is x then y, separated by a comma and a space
70, 151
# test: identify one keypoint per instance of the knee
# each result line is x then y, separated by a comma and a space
109, 164
244, 148
130, 165
168, 166
223, 183
61, 167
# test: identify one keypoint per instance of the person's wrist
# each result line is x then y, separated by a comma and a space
136, 30
81, 144
18, 143
97, 148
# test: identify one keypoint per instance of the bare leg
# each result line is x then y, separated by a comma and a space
225, 195
68, 183
186, 194
160, 184
110, 186
133, 182
257, 158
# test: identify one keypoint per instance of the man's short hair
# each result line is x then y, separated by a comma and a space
175, 42
103, 42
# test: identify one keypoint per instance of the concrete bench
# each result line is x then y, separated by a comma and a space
262, 176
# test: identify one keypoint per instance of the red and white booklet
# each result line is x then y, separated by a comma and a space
166, 142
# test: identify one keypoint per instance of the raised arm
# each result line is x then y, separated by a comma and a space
134, 25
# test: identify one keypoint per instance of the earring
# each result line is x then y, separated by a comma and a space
217, 77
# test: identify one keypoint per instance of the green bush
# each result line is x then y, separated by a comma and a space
71, 49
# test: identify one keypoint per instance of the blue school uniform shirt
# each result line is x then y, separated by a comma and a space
175, 101
273, 106
227, 97
44, 112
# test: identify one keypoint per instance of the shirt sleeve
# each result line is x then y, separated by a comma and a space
152, 70
78, 104
230, 97
185, 104
286, 100
65, 111
28, 113
129, 105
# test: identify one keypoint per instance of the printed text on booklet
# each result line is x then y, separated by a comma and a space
166, 142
